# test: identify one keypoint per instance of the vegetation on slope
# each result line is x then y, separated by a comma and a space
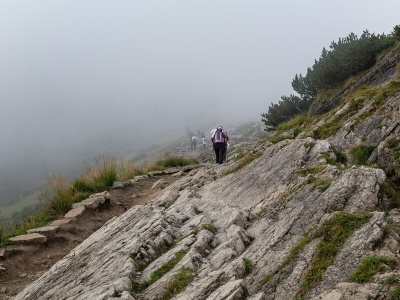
346, 58
58, 196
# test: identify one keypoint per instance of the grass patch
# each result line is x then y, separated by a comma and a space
340, 157
292, 255
180, 281
248, 264
138, 287
209, 227
391, 279
298, 123
58, 196
394, 146
334, 232
328, 129
368, 267
295, 123
98, 177
127, 169
165, 268
390, 190
321, 183
377, 94
243, 162
172, 162
312, 170
362, 117
360, 154
395, 293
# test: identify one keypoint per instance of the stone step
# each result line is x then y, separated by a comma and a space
45, 230
75, 212
91, 203
60, 222
29, 238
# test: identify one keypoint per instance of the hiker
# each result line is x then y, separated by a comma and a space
219, 138
194, 142
204, 142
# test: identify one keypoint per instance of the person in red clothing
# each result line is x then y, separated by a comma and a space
219, 138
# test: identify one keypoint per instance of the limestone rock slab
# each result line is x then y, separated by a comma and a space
29, 238
75, 212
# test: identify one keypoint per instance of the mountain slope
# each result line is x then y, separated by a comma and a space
292, 224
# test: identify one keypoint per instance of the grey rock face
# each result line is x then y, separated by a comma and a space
258, 214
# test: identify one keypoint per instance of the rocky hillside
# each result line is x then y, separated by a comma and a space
313, 215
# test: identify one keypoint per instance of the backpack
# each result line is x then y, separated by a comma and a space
219, 136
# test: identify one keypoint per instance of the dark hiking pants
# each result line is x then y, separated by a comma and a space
219, 149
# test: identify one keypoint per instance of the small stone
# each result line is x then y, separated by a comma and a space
23, 275
134, 196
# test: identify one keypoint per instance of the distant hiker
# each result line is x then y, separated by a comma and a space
219, 138
194, 142
204, 142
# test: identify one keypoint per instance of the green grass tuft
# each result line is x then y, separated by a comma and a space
165, 268
368, 267
248, 158
180, 281
172, 162
312, 170
395, 293
321, 183
334, 233
391, 279
209, 227
292, 255
360, 154
248, 264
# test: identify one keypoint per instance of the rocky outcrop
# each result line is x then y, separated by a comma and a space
258, 214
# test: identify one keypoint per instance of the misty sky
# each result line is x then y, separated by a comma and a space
76, 75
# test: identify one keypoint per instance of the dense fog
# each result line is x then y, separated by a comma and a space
84, 78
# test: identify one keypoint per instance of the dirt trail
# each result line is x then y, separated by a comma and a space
27, 263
